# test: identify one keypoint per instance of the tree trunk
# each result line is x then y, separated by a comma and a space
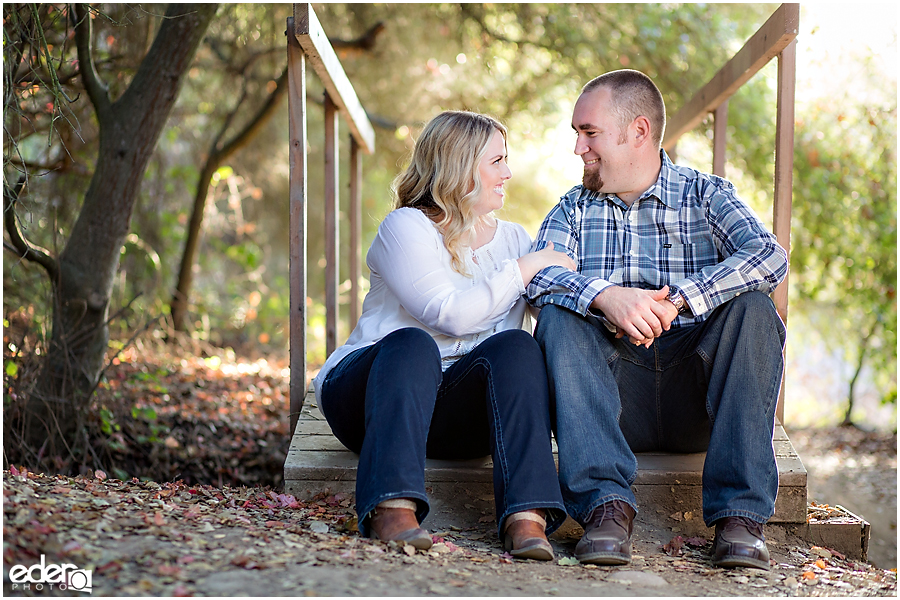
129, 131
179, 304
861, 360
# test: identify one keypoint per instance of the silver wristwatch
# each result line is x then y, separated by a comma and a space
677, 299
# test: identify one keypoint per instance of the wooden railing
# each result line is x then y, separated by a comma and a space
776, 38
306, 41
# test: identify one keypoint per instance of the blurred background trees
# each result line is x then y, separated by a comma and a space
211, 207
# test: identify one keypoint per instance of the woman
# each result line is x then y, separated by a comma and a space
438, 364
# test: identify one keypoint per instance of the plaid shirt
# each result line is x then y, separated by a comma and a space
689, 231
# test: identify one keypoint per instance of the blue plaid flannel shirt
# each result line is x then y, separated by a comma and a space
689, 231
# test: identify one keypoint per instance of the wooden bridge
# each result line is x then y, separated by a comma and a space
316, 461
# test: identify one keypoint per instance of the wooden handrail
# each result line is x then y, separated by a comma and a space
328, 67
773, 37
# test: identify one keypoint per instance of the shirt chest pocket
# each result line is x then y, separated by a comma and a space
681, 260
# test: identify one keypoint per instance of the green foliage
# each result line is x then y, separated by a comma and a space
845, 229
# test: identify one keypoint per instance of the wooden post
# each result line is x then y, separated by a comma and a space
784, 175
355, 229
298, 210
720, 139
332, 224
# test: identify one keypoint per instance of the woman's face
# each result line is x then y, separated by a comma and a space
493, 172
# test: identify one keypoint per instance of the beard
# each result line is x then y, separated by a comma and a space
591, 180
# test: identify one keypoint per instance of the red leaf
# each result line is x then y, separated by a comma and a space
673, 548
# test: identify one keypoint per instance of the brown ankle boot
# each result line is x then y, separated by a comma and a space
524, 537
400, 525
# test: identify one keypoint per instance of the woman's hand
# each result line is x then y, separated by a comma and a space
533, 262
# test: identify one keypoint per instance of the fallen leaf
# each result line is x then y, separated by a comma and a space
318, 527
673, 548
808, 575
568, 561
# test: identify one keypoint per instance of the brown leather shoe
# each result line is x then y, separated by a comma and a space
399, 525
740, 542
524, 537
607, 535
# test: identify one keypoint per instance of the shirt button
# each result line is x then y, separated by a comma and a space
632, 253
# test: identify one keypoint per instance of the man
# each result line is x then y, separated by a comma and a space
665, 337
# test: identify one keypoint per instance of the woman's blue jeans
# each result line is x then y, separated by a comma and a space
711, 386
391, 404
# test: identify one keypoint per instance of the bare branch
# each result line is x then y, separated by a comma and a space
241, 138
22, 248
96, 89
364, 43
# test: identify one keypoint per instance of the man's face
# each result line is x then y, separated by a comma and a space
602, 144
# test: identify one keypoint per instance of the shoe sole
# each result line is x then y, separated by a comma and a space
541, 550
730, 562
533, 552
604, 558
417, 538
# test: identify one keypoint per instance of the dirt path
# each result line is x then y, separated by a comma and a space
174, 540
857, 470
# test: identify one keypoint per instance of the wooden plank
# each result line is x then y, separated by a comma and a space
318, 457
781, 28
298, 210
720, 139
312, 428
325, 63
332, 224
355, 249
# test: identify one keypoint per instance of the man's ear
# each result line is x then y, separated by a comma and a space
641, 131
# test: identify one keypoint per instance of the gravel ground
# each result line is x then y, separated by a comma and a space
147, 539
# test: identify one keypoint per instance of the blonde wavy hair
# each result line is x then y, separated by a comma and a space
442, 179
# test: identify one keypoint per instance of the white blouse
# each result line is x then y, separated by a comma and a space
413, 285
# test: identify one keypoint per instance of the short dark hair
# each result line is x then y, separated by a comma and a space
633, 95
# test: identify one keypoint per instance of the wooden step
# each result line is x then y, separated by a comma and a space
317, 461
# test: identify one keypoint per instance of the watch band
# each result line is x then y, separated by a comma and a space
677, 299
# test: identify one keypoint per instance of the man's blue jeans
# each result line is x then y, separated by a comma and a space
391, 404
711, 386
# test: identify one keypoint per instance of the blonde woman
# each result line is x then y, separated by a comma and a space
439, 364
